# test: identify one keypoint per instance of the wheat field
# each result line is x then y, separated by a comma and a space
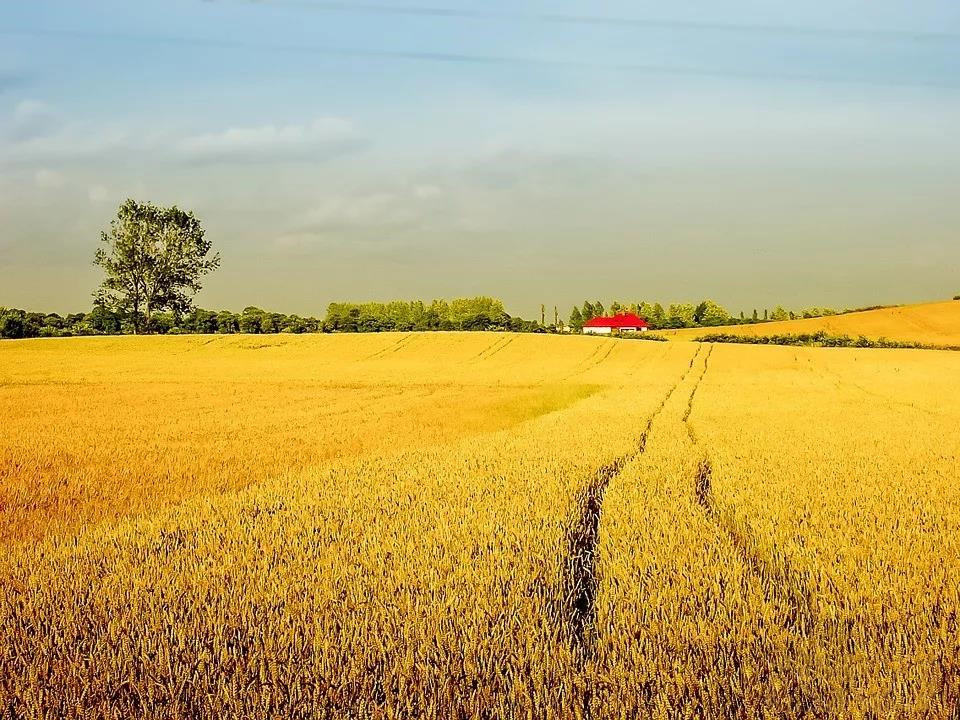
936, 323
476, 525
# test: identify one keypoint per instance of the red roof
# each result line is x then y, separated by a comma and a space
622, 320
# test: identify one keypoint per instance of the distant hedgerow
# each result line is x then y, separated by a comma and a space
645, 336
821, 339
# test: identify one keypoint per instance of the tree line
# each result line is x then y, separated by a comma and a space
480, 313
706, 313
154, 260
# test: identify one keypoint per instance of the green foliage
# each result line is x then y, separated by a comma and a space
820, 339
251, 320
103, 321
16, 324
228, 322
707, 313
153, 259
13, 324
645, 336
710, 314
576, 320
657, 317
815, 312
200, 321
479, 313
161, 323
681, 315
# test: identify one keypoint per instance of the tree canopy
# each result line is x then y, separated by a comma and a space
706, 313
153, 259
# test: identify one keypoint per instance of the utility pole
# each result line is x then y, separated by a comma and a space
543, 313
556, 317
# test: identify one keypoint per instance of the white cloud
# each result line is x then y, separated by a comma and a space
271, 142
29, 109
377, 210
48, 179
32, 119
427, 191
35, 134
67, 144
97, 194
369, 216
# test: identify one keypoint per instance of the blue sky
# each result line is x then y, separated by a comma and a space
753, 152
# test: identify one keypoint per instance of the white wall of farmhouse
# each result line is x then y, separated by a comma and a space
609, 331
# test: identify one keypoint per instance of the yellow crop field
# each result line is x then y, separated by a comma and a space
100, 428
929, 323
476, 525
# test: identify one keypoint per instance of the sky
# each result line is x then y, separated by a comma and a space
540, 151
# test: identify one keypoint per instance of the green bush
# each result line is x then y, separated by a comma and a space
644, 336
821, 339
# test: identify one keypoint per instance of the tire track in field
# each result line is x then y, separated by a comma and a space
580, 578
782, 585
192, 348
393, 347
491, 349
607, 354
693, 394
588, 362
583, 535
501, 348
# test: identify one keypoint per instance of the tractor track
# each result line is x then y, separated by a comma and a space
393, 347
483, 354
580, 577
501, 348
580, 561
783, 586
492, 349
585, 364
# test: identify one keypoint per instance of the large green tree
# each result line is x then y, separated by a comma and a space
709, 313
681, 315
576, 319
153, 259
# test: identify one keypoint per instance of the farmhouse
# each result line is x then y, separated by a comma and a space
620, 323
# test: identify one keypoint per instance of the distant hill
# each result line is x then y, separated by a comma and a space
933, 323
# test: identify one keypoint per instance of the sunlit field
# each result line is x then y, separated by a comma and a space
102, 428
476, 525
930, 324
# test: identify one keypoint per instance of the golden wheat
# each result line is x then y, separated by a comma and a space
929, 324
469, 525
